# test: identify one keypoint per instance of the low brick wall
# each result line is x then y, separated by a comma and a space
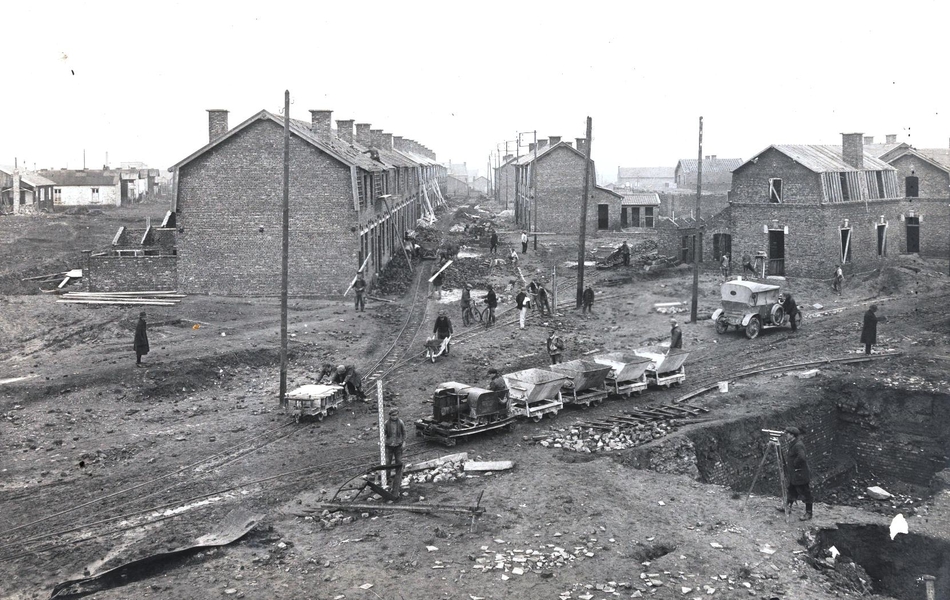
130, 273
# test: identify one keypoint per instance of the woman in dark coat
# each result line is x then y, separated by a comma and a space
140, 344
869, 331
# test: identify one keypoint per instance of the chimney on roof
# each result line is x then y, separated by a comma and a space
387, 141
891, 138
362, 134
712, 157
399, 143
554, 140
508, 157
376, 138
542, 143
868, 139
852, 149
344, 129
531, 146
581, 145
217, 124
320, 123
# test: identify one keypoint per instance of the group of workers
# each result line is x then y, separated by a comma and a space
343, 375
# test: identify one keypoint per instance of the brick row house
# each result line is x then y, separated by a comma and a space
505, 181
646, 178
351, 197
557, 174
809, 208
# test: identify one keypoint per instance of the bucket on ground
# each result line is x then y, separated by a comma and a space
723, 386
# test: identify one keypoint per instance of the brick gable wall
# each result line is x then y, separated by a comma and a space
227, 194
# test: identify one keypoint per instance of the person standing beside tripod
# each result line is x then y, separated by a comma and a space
799, 477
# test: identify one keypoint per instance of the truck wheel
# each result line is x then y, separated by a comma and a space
722, 326
753, 328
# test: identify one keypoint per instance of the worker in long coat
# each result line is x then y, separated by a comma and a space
869, 330
676, 335
140, 344
796, 467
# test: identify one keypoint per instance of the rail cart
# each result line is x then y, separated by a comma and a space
667, 369
533, 393
316, 400
586, 381
460, 410
627, 372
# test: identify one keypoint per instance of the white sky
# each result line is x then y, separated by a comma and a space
134, 78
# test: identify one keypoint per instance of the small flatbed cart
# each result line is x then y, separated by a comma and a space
460, 410
315, 400
586, 381
668, 369
533, 393
627, 372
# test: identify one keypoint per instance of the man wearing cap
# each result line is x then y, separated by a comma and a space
625, 253
676, 335
395, 431
350, 379
869, 329
524, 242
140, 343
443, 329
796, 467
359, 286
491, 299
493, 243
555, 347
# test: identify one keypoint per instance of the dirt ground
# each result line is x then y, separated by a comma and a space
81, 428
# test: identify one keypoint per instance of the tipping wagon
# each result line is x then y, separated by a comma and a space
460, 410
627, 372
315, 400
585, 383
533, 393
666, 369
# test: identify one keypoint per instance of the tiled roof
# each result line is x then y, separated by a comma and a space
641, 199
646, 172
710, 165
66, 177
879, 150
28, 177
940, 156
820, 158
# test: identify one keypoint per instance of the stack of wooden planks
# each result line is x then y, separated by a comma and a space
158, 298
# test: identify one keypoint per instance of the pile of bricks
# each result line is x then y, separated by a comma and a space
589, 440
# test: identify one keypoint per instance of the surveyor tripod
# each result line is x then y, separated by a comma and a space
774, 446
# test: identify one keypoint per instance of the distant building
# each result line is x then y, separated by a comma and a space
85, 187
639, 209
480, 184
456, 187
717, 173
558, 174
646, 178
505, 181
351, 198
459, 171
28, 188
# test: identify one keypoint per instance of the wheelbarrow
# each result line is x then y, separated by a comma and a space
436, 347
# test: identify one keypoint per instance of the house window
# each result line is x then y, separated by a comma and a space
603, 216
57, 195
648, 216
775, 190
845, 245
624, 221
845, 192
95, 195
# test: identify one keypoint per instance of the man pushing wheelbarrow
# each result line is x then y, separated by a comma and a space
438, 344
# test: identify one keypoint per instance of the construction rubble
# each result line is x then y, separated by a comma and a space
590, 440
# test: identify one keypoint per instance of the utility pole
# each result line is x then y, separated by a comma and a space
285, 253
582, 251
698, 230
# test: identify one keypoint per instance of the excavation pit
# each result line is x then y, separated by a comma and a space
893, 568
857, 435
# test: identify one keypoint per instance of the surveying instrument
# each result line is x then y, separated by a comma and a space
774, 445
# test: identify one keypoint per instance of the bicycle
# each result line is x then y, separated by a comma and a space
470, 316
